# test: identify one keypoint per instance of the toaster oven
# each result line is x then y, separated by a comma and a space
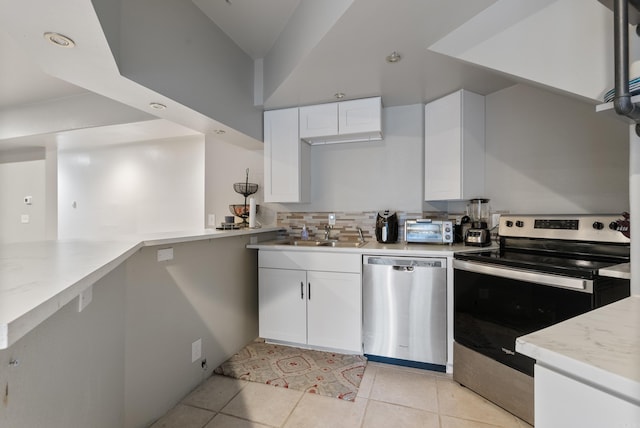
427, 231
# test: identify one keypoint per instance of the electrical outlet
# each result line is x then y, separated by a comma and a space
196, 350
165, 254
24, 218
332, 219
85, 298
211, 220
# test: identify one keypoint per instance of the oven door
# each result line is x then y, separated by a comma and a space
494, 305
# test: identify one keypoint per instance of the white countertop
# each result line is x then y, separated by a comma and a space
376, 248
601, 347
38, 278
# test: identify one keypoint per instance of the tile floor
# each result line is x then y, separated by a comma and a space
389, 396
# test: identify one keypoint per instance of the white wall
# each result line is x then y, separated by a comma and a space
226, 164
547, 153
136, 188
22, 176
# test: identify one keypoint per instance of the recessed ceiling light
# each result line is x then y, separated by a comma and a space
394, 57
59, 40
339, 95
157, 106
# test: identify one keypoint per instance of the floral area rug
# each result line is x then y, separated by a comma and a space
324, 373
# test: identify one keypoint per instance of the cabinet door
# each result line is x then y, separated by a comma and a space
360, 116
334, 310
454, 147
286, 159
319, 120
443, 148
282, 304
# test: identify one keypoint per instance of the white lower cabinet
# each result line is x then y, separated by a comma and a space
303, 305
562, 401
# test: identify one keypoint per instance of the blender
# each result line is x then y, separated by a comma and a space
478, 234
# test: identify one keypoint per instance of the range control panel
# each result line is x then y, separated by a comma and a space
581, 227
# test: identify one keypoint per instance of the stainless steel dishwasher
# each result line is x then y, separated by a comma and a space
405, 310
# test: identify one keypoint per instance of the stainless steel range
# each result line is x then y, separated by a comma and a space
545, 271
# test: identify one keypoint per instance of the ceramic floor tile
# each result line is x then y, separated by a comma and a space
405, 388
451, 422
384, 415
458, 401
183, 416
262, 403
225, 421
214, 393
316, 411
367, 381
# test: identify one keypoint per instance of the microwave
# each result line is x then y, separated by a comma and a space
427, 231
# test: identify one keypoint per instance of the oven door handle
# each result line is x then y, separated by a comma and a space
578, 284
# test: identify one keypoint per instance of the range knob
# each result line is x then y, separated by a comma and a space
613, 225
508, 223
519, 223
598, 225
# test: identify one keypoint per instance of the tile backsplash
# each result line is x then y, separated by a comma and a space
347, 223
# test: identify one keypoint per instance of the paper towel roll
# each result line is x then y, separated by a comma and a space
252, 212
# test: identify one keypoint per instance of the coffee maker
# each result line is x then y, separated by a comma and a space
478, 234
387, 227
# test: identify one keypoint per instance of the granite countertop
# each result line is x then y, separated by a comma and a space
38, 278
601, 347
623, 271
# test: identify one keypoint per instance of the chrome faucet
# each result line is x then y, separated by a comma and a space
360, 235
327, 232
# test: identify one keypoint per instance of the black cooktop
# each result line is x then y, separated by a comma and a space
539, 262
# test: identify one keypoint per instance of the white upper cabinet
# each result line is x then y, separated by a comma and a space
346, 121
318, 121
454, 147
286, 159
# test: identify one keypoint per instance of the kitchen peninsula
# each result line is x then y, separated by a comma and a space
587, 371
147, 323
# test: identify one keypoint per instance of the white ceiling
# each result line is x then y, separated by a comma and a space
349, 59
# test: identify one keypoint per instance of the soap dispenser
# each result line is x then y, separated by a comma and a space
304, 235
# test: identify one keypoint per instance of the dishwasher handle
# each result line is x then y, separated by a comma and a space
403, 268
404, 263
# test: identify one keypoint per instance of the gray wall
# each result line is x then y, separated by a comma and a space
126, 358
71, 367
170, 47
546, 153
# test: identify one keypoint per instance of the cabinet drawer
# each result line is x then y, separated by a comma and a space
307, 260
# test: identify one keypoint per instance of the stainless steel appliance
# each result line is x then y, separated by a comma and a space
387, 227
546, 271
427, 231
404, 311
478, 234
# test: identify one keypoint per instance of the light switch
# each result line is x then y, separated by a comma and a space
24, 218
28, 200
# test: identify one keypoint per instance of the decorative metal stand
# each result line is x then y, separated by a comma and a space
242, 210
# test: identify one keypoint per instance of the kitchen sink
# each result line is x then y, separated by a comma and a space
337, 244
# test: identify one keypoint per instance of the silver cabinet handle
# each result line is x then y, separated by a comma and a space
301, 290
309, 292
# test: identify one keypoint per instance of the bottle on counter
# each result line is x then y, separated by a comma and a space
304, 234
